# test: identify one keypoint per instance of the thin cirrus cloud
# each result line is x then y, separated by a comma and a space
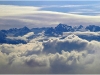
57, 6
83, 8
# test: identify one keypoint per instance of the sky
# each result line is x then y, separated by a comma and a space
48, 13
82, 7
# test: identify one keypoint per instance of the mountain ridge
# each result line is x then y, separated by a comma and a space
48, 31
59, 29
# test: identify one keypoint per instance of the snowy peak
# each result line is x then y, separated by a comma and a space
50, 31
60, 28
25, 28
63, 27
22, 31
93, 28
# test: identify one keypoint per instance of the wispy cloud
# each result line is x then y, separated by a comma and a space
19, 16
62, 6
11, 10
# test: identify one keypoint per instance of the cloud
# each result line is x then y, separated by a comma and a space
25, 37
82, 33
62, 6
71, 42
76, 56
28, 34
12, 10
85, 35
36, 17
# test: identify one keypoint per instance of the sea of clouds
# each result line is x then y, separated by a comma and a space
51, 55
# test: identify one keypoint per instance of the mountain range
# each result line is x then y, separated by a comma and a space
48, 31
59, 29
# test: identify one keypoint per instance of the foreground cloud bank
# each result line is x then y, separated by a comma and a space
51, 55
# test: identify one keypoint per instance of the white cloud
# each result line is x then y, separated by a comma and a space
28, 34
88, 33
71, 42
31, 57
90, 36
62, 6
11, 10
36, 17
25, 37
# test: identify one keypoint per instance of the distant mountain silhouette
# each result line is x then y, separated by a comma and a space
48, 31
93, 28
59, 29
2, 37
22, 31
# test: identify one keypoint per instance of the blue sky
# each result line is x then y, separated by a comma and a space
39, 3
79, 7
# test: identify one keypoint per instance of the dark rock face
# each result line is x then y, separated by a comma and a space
2, 37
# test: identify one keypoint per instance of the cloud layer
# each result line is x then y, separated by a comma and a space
30, 16
16, 10
54, 55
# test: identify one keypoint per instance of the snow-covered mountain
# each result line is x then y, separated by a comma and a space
59, 29
93, 28
47, 31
